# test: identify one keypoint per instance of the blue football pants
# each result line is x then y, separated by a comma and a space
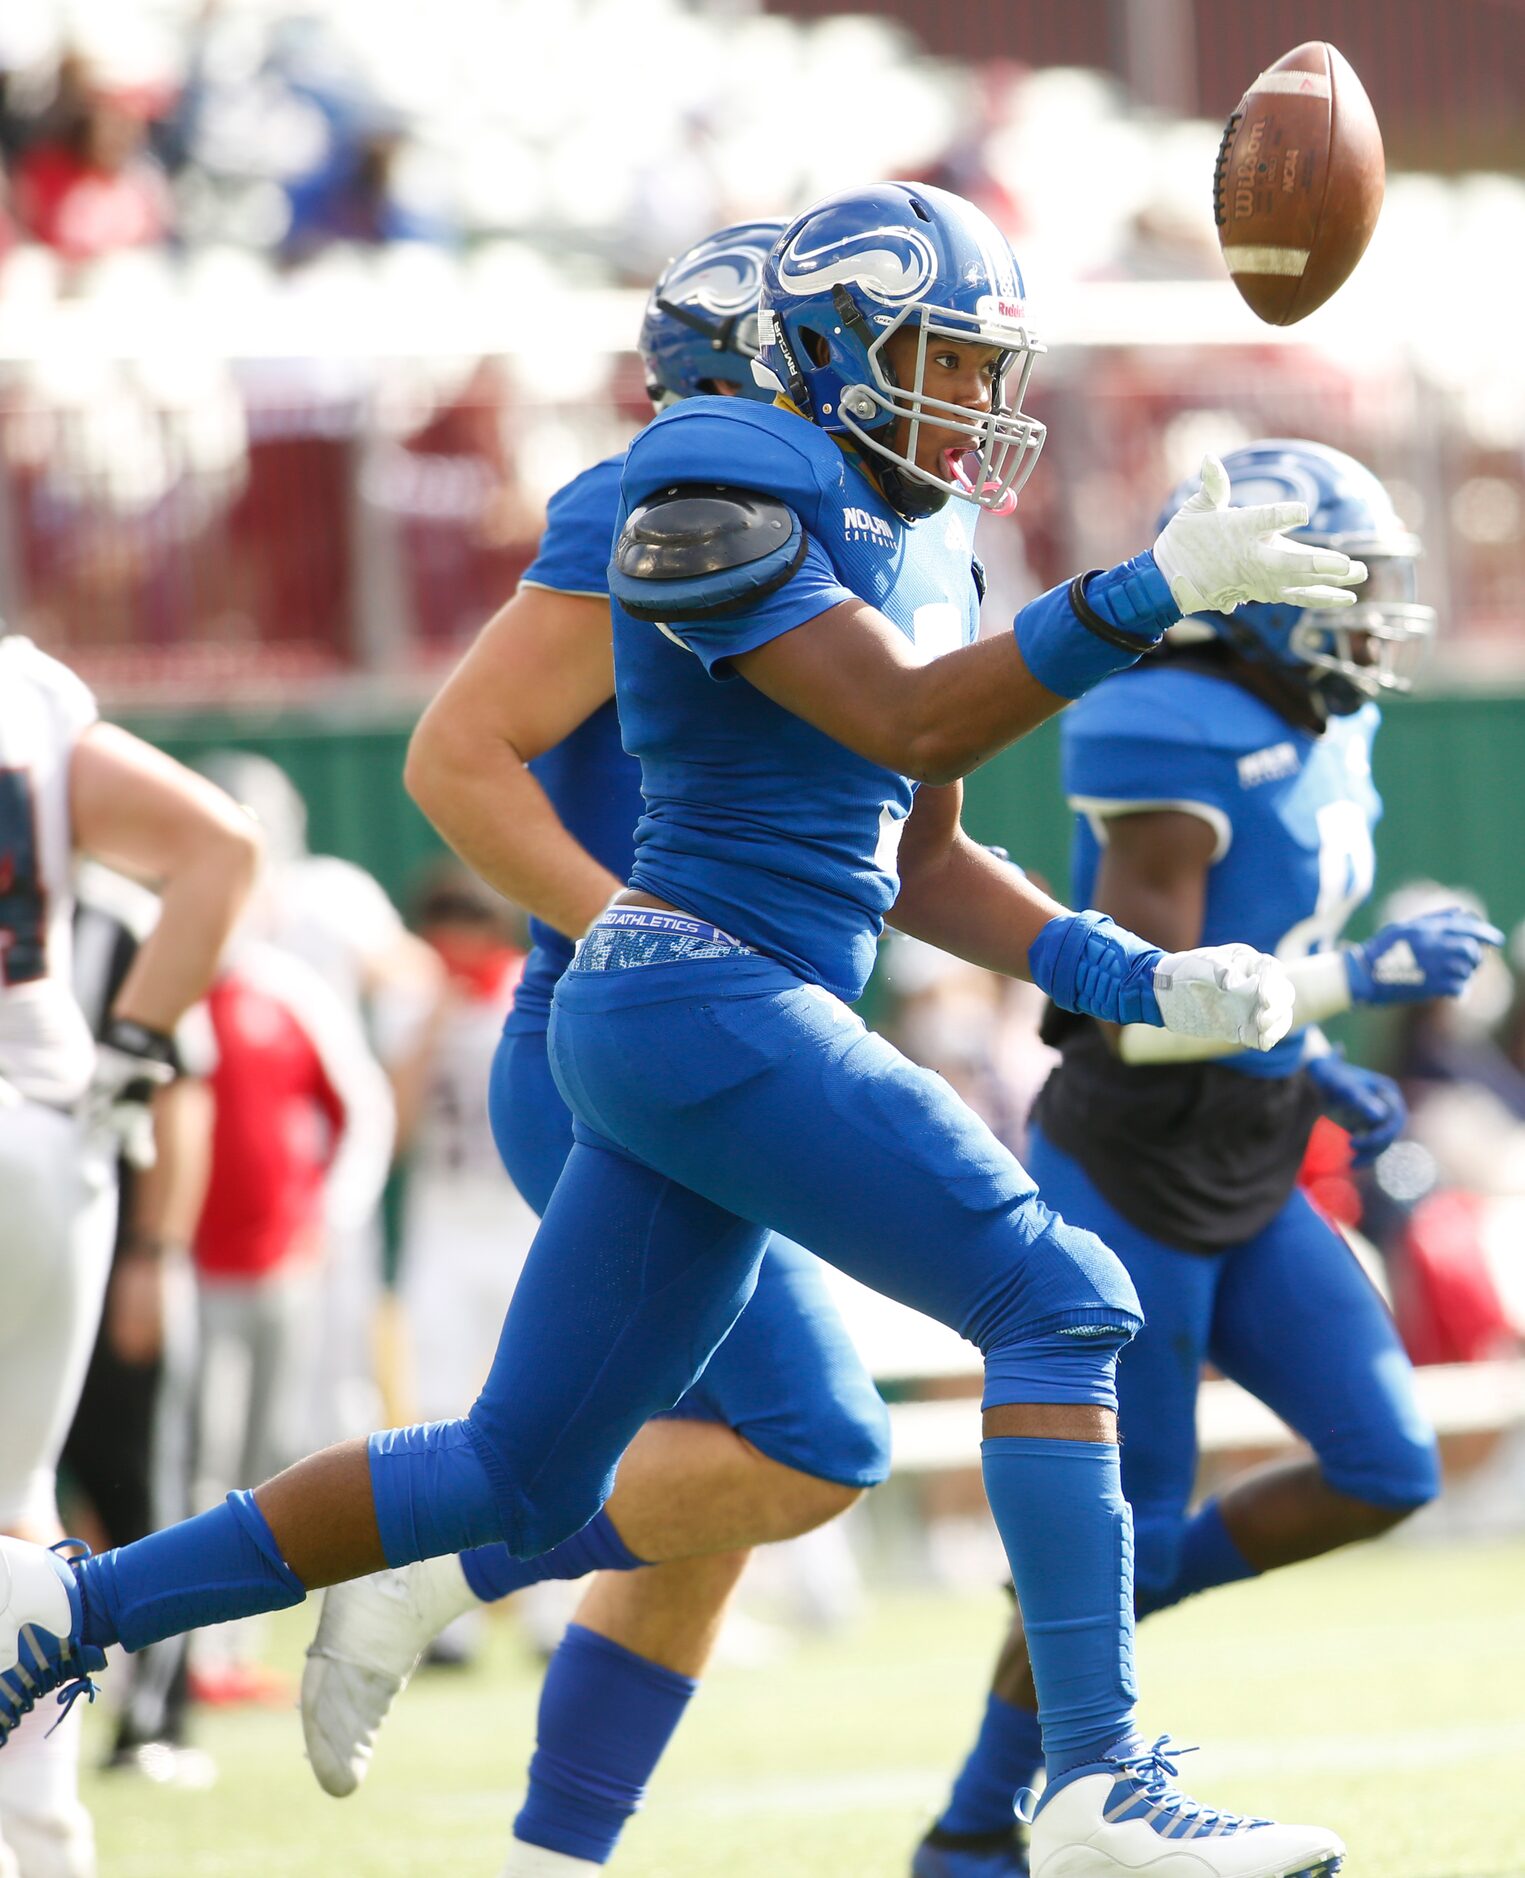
713, 1101
788, 1377
1289, 1315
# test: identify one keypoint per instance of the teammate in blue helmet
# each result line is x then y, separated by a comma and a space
699, 333
1333, 663
1226, 788
799, 673
518, 761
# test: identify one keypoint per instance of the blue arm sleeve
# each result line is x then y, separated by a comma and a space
812, 590
1075, 635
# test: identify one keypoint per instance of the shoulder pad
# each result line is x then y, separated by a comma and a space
981, 580
697, 552
1166, 704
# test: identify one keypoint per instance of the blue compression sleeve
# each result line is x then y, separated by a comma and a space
493, 1572
606, 1715
1068, 1533
1076, 634
1086, 963
432, 1492
220, 1565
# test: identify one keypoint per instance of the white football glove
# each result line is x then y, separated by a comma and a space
1215, 558
1232, 993
131, 1066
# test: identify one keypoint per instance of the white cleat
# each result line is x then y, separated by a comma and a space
370, 1636
1124, 1815
40, 1619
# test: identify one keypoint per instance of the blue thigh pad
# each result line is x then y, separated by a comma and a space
771, 1099
787, 1377
531, 1125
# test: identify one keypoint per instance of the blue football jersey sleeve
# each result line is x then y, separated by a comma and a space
573, 556
813, 589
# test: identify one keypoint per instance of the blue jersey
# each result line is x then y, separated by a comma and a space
594, 787
754, 819
1292, 812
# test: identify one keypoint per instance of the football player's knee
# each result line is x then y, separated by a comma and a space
1396, 1472
1156, 1552
810, 1502
850, 1442
1057, 1333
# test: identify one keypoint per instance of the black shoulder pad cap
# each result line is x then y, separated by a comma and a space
699, 551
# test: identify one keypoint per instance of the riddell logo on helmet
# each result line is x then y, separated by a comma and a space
1000, 306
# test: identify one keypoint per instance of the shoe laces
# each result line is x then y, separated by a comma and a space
1155, 1772
21, 1688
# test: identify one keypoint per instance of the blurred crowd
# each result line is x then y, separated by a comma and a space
287, 367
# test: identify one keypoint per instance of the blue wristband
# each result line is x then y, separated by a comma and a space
1086, 963
1073, 636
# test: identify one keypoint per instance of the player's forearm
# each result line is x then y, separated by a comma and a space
971, 903
499, 820
1062, 643
966, 707
200, 901
1321, 989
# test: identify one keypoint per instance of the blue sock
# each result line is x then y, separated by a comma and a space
1068, 1534
220, 1565
493, 1572
606, 1715
1208, 1557
1004, 1759
432, 1492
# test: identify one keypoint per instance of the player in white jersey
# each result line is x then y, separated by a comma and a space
337, 918
465, 1228
68, 784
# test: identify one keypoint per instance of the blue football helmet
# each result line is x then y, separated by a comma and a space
700, 324
1345, 657
857, 268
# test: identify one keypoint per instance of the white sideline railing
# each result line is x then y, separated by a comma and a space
1457, 1398
900, 1346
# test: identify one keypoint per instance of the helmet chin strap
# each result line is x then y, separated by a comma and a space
908, 495
1306, 705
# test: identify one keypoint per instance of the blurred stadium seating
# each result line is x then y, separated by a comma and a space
306, 437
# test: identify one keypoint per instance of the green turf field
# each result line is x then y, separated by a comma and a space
1381, 1692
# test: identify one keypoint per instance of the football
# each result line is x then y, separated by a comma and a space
1298, 183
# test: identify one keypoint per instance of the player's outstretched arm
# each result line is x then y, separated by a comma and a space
960, 896
849, 671
540, 667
